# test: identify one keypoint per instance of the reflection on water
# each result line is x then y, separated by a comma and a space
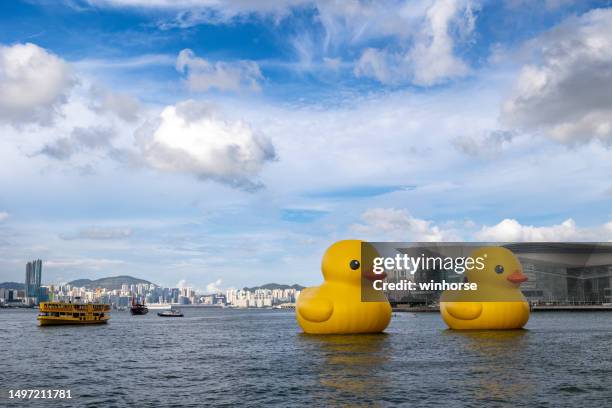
492, 343
352, 364
497, 352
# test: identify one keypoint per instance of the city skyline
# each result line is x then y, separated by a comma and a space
33, 293
228, 144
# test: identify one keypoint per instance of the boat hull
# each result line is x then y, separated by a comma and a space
54, 321
139, 311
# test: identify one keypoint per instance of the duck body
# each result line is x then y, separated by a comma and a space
335, 307
485, 315
497, 304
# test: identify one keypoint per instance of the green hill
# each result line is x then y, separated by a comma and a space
110, 283
12, 285
276, 286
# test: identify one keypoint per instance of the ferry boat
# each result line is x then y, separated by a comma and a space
170, 313
55, 313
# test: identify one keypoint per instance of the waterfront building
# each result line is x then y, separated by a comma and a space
559, 273
566, 273
32, 281
8, 296
259, 298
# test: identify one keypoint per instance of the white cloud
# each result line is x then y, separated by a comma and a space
33, 83
80, 139
431, 59
375, 63
511, 230
125, 63
214, 287
202, 75
565, 92
120, 104
390, 224
433, 55
3, 215
486, 144
192, 137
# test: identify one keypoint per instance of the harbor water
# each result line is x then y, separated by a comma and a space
259, 357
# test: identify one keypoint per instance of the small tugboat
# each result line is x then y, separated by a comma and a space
138, 308
55, 313
170, 313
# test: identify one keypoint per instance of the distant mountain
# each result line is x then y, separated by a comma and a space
111, 283
276, 286
12, 285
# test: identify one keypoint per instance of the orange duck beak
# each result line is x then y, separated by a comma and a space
517, 277
371, 276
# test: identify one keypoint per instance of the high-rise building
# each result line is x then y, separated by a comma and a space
32, 279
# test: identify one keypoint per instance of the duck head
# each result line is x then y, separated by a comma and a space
342, 263
501, 268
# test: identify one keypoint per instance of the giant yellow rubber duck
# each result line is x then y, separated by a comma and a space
335, 307
497, 303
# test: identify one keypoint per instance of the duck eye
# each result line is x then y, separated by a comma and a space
499, 269
354, 264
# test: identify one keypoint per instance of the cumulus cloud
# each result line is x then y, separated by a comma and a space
182, 284
81, 139
390, 224
3, 215
565, 92
512, 231
214, 287
192, 137
120, 104
33, 84
397, 224
99, 233
202, 75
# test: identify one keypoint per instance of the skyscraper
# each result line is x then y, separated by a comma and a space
32, 279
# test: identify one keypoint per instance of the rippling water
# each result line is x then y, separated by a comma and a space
251, 357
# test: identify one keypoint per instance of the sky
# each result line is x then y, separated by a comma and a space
219, 144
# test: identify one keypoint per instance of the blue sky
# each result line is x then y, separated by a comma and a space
227, 144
